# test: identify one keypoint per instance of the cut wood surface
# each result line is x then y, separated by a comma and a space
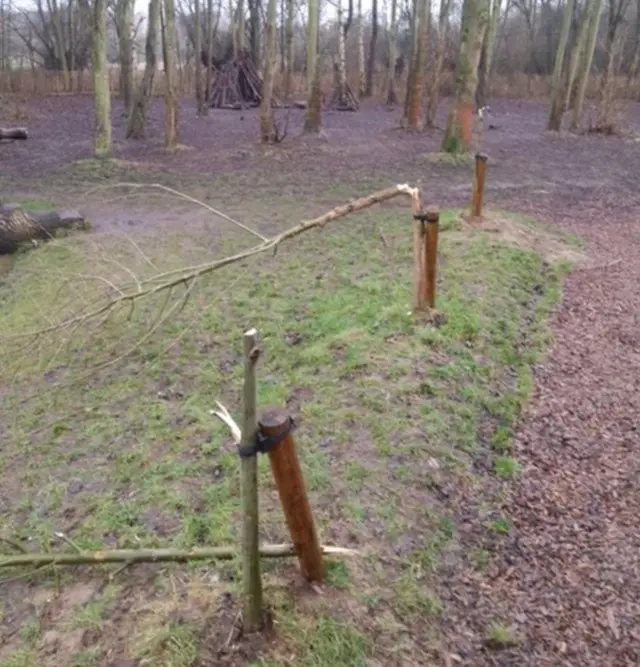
18, 226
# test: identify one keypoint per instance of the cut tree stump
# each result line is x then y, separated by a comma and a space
18, 226
12, 133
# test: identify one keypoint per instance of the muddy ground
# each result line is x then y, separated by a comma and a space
562, 587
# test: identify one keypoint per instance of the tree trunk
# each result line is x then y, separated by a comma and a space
413, 55
198, 60
417, 90
459, 131
288, 49
392, 97
18, 226
362, 79
124, 23
254, 30
209, 70
554, 123
60, 44
577, 52
138, 117
605, 121
342, 58
102, 97
486, 57
312, 117
171, 137
240, 27
267, 127
585, 67
371, 62
436, 71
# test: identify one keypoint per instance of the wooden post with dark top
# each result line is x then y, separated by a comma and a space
432, 218
478, 185
293, 496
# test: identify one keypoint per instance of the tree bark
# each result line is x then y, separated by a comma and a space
577, 52
124, 23
102, 97
459, 131
267, 126
587, 59
372, 48
342, 57
198, 60
413, 54
171, 136
486, 57
554, 122
18, 226
254, 30
417, 90
138, 118
240, 27
392, 97
362, 78
312, 117
288, 51
436, 70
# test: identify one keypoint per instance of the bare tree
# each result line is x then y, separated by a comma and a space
556, 106
288, 50
138, 117
362, 78
198, 64
436, 70
102, 129
171, 137
392, 97
267, 126
417, 88
595, 11
123, 19
486, 56
371, 62
312, 118
458, 134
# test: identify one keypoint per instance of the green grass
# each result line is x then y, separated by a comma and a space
122, 451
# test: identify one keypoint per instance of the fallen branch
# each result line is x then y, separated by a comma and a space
12, 133
156, 555
185, 275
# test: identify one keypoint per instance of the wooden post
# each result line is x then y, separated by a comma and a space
432, 218
478, 185
275, 424
418, 267
252, 607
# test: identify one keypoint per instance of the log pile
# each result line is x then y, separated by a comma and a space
12, 133
238, 85
18, 226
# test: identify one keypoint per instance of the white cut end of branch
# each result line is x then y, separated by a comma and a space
251, 332
223, 415
406, 189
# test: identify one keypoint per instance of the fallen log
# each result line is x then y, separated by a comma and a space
18, 226
13, 133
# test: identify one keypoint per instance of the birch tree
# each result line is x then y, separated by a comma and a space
362, 79
102, 98
585, 66
458, 134
198, 63
486, 56
372, 48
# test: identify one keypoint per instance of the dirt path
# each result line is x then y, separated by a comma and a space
567, 583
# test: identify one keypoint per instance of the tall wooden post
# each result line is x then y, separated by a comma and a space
418, 254
432, 219
252, 603
478, 185
275, 428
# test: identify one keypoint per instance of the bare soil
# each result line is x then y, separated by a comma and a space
563, 589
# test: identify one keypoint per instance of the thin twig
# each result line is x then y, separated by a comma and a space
184, 196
